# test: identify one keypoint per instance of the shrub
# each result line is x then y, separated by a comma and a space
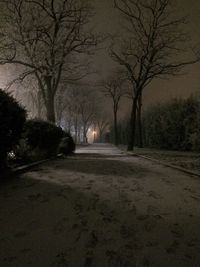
173, 125
12, 118
40, 140
67, 145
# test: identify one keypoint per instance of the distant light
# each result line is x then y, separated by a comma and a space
94, 132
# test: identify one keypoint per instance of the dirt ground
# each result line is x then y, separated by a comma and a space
100, 208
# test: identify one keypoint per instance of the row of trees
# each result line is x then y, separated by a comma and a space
78, 109
49, 40
174, 125
115, 87
153, 47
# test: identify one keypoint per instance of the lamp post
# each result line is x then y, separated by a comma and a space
94, 134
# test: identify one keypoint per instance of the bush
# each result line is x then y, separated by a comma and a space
174, 125
12, 118
40, 140
67, 145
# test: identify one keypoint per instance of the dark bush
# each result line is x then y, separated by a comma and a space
67, 145
12, 118
174, 125
40, 140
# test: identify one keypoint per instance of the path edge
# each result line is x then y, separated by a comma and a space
165, 164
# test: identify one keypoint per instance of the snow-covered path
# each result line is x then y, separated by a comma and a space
100, 208
100, 149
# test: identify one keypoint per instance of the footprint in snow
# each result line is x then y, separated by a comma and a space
177, 231
173, 248
154, 195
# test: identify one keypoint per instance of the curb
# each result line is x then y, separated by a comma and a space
23, 168
167, 165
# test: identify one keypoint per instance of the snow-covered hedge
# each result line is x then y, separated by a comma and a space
40, 140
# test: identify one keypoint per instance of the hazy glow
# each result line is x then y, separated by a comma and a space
91, 134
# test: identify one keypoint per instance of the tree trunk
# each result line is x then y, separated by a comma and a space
139, 122
79, 134
69, 126
39, 105
50, 109
131, 137
85, 135
116, 128
76, 130
100, 136
50, 105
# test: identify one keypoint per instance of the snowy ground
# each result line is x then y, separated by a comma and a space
100, 208
187, 160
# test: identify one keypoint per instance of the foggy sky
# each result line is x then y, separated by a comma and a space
107, 20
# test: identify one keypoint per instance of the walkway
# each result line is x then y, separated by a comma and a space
100, 208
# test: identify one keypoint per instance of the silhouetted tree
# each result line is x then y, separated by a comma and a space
43, 37
139, 122
87, 109
113, 88
77, 108
101, 121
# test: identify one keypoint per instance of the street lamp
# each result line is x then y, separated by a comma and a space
94, 134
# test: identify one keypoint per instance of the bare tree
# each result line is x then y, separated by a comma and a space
62, 103
50, 33
27, 93
87, 109
76, 109
102, 125
71, 116
34, 98
153, 47
113, 88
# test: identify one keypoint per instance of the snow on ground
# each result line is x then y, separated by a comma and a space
186, 159
100, 208
100, 149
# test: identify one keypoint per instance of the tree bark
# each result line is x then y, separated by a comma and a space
85, 140
79, 134
139, 122
76, 130
100, 137
50, 107
131, 137
39, 105
116, 128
